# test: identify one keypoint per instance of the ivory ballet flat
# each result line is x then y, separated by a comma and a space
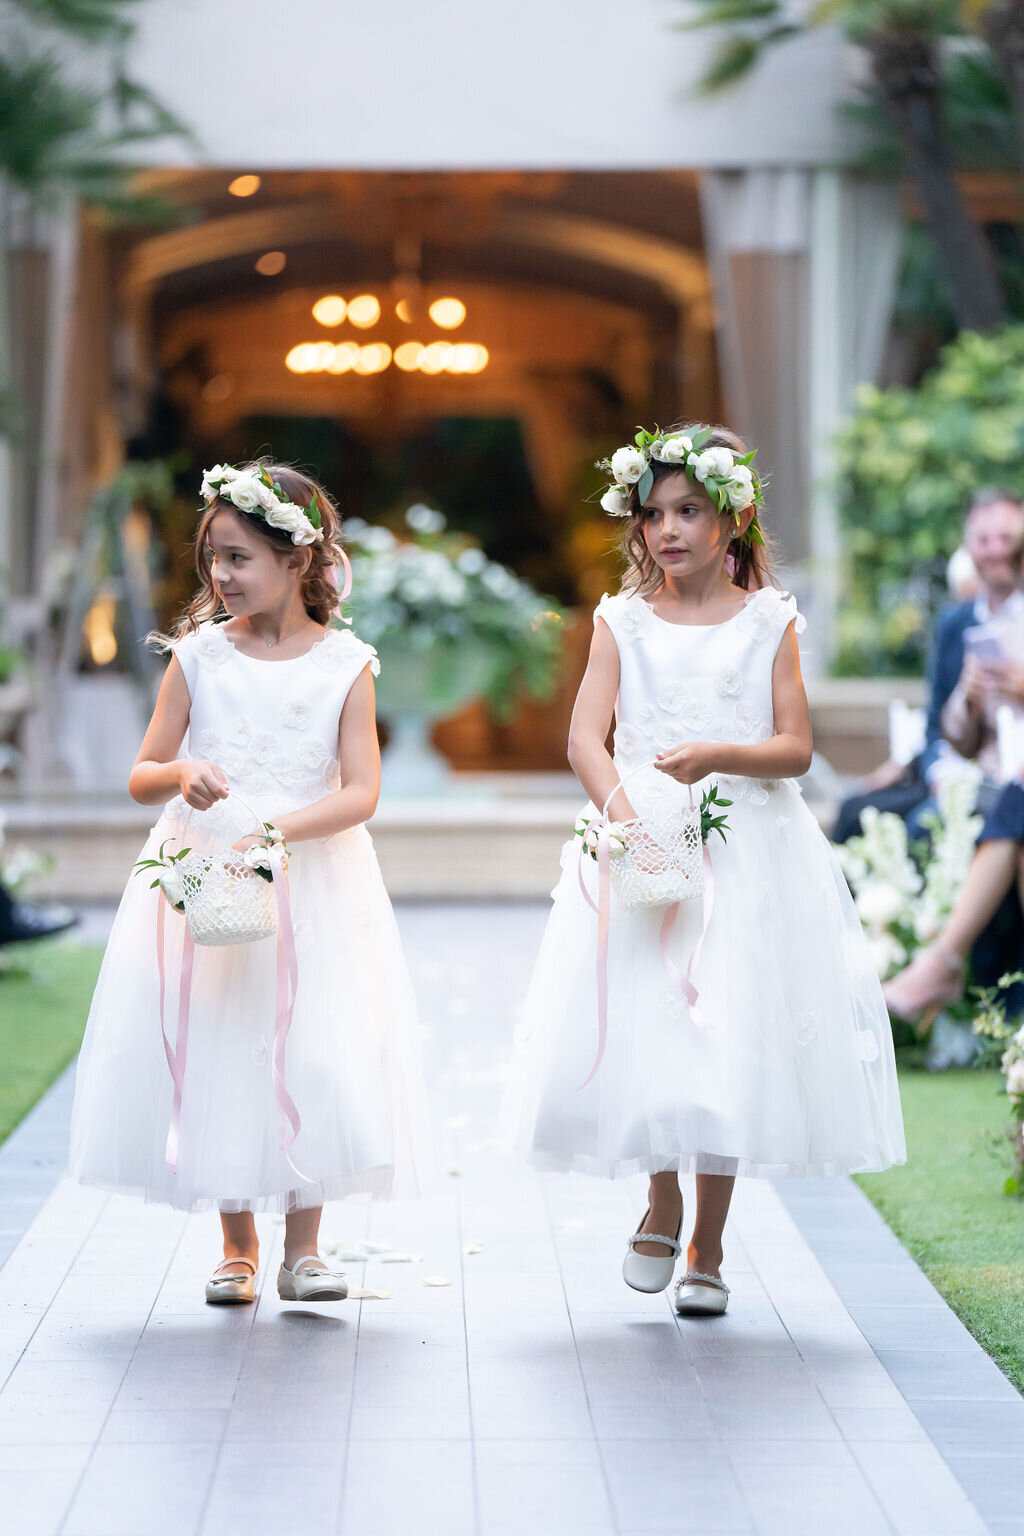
707, 1299
315, 1284
644, 1273
227, 1290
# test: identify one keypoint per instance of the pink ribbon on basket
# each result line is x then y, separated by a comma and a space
346, 587
603, 909
287, 980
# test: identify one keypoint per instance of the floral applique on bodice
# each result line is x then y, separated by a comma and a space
272, 726
709, 682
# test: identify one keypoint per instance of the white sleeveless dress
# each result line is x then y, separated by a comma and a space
793, 1071
352, 1064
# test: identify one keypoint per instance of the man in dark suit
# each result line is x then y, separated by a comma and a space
992, 533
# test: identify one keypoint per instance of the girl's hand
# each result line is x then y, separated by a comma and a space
250, 840
687, 764
201, 783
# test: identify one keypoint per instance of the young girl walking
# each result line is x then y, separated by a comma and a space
289, 1075
744, 1033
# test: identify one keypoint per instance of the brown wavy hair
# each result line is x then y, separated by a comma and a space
318, 592
753, 564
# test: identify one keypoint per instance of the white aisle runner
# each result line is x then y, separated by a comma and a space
533, 1394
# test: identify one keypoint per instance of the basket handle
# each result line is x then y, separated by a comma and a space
622, 784
232, 794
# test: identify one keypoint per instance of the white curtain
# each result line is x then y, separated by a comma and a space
803, 266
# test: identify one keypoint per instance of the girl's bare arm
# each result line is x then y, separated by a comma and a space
589, 758
156, 775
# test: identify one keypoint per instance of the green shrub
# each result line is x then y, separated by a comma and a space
909, 461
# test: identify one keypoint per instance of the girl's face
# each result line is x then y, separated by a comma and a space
683, 529
248, 575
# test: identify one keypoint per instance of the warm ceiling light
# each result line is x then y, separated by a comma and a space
373, 358
403, 311
448, 313
435, 358
301, 359
330, 310
343, 357
364, 311
407, 356
244, 186
468, 357
271, 263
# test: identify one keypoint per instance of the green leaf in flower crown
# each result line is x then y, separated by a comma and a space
645, 485
699, 439
640, 438
313, 512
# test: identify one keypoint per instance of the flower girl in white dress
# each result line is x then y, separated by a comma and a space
745, 1032
259, 1076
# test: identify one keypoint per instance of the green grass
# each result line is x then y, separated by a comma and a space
45, 991
947, 1206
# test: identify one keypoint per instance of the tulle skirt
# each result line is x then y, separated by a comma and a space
352, 1061
792, 1071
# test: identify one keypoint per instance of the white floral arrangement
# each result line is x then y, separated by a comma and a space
904, 896
436, 589
253, 490
1004, 1038
728, 478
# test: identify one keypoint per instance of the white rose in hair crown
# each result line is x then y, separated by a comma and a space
254, 491
727, 477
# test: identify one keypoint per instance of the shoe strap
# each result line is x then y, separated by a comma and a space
239, 1260
309, 1258
656, 1237
696, 1274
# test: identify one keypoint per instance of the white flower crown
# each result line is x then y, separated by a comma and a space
252, 490
726, 476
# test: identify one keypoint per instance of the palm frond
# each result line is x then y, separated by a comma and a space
91, 21
729, 13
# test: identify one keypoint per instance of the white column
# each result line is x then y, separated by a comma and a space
825, 403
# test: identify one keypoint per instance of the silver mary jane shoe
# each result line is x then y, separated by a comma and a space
641, 1271
700, 1295
229, 1290
317, 1283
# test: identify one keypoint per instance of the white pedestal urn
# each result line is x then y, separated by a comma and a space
415, 688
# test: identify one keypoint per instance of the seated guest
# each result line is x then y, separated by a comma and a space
993, 530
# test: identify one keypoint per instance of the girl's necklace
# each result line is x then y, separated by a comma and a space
271, 643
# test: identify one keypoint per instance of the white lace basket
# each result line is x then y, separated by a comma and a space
226, 902
662, 863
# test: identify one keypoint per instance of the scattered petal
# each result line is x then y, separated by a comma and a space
454, 1171
357, 1293
436, 1280
473, 1248
401, 1258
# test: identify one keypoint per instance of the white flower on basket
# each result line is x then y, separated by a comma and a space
258, 857
673, 450
628, 464
170, 884
615, 501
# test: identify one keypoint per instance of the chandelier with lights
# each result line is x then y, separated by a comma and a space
363, 312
